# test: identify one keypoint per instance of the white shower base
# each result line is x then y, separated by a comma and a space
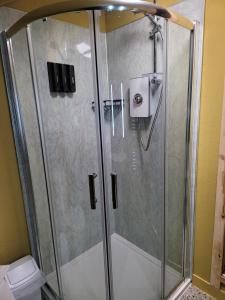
136, 274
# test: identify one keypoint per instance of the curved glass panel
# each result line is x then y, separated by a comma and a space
177, 109
61, 131
134, 146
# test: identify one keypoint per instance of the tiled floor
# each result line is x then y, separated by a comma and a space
194, 293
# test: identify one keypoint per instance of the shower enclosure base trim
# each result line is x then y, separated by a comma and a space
180, 289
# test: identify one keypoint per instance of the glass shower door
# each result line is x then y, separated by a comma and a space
176, 176
135, 175
61, 130
145, 152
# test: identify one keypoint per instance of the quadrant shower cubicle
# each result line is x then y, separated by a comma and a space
105, 182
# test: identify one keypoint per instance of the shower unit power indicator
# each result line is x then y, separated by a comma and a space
139, 97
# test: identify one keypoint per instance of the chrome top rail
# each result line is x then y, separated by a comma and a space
80, 5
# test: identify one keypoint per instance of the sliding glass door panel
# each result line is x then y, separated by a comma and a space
134, 174
177, 126
67, 139
23, 84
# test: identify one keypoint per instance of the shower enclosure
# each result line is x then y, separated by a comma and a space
106, 192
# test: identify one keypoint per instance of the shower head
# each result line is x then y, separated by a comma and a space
157, 28
151, 18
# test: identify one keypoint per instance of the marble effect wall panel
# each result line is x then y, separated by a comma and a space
70, 135
140, 173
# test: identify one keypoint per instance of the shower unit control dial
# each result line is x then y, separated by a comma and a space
139, 97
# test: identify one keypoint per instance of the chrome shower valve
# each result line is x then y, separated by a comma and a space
138, 99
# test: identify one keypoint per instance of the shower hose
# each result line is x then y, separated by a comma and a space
152, 126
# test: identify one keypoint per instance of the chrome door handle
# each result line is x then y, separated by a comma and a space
93, 200
114, 190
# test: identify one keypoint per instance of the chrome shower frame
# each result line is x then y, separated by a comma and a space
24, 167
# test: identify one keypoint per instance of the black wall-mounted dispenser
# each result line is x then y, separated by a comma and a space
61, 78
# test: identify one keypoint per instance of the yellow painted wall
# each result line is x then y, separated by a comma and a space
13, 231
209, 135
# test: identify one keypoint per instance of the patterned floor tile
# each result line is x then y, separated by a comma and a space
195, 293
